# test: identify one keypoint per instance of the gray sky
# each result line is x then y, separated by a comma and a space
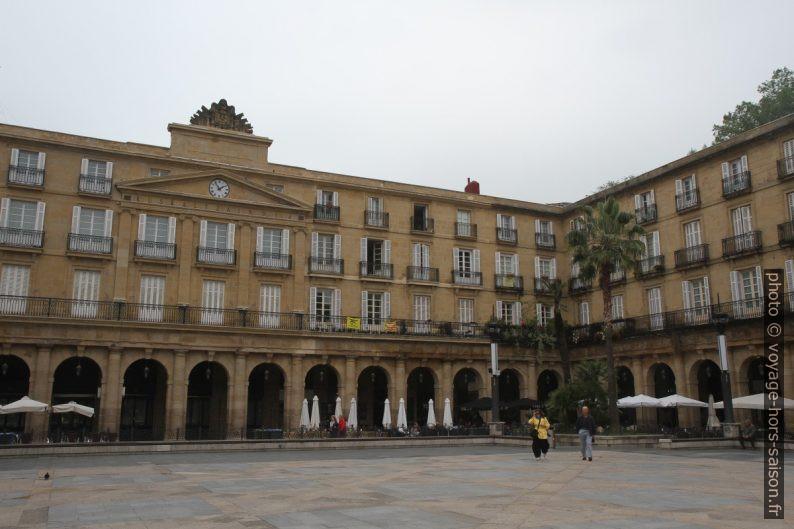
541, 101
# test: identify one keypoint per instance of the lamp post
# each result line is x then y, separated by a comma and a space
721, 320
496, 425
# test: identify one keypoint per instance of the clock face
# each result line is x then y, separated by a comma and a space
219, 188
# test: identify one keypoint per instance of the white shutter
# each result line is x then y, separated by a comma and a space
417, 251
654, 301
706, 294
516, 267
260, 235
726, 172
315, 244
517, 313
653, 198
230, 236
789, 265
759, 283
455, 263
142, 228
84, 166
76, 219
337, 302
512, 222
4, 206
387, 251
337, 246
553, 272
584, 313
386, 305
203, 233
312, 301
498, 220
537, 267
679, 187
744, 163
364, 298
657, 248
736, 291
475, 261
336, 198
40, 207
285, 242
171, 230
109, 173
686, 287
788, 149
498, 263
498, 314
363, 249
42, 161
319, 197
15, 157
108, 222
539, 313
637, 202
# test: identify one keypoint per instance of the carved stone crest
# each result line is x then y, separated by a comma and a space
221, 115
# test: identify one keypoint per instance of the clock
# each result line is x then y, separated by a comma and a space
219, 188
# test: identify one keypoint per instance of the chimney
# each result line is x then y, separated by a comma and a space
472, 186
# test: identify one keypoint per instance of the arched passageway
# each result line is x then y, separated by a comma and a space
421, 388
322, 380
143, 402
77, 379
266, 397
373, 390
206, 402
14, 384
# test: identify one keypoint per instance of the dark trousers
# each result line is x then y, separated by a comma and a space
751, 439
540, 445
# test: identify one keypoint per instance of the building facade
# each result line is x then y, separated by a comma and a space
200, 290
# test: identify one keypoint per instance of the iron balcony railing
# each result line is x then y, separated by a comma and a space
687, 200
785, 168
272, 261
737, 184
467, 277
326, 265
646, 213
508, 235
579, 285
328, 213
651, 266
376, 219
155, 250
543, 285
26, 176
77, 242
20, 238
785, 233
545, 240
617, 276
377, 270
97, 185
422, 225
749, 242
509, 282
216, 256
692, 256
422, 273
465, 230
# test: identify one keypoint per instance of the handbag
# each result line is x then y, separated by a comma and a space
533, 431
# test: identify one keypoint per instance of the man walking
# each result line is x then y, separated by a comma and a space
585, 425
747, 433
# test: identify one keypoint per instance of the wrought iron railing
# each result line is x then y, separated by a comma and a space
749, 242
377, 219
617, 276
465, 230
579, 285
509, 282
216, 256
692, 256
328, 213
25, 175
272, 261
376, 270
543, 285
545, 240
785, 233
466, 277
785, 168
97, 185
422, 225
20, 238
326, 265
422, 273
736, 184
646, 213
155, 250
687, 200
508, 235
77, 242
651, 266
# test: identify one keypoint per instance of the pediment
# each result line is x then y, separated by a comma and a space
197, 186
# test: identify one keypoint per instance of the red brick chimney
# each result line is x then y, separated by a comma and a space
472, 186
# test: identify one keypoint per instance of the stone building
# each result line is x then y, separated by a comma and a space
200, 290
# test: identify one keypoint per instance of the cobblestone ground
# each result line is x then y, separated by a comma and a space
446, 488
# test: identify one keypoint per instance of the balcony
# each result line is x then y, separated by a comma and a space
785, 168
736, 185
155, 250
422, 273
95, 185
422, 225
645, 214
687, 200
651, 266
326, 265
19, 238
25, 176
467, 278
617, 277
579, 285
507, 235
543, 285
216, 256
465, 230
745, 243
692, 256
272, 261
509, 283
545, 240
89, 244
376, 219
785, 233
326, 213
377, 270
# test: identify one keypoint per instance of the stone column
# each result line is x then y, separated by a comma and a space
110, 399
239, 394
639, 387
300, 296
685, 418
532, 379
446, 383
401, 383
178, 403
123, 241
40, 390
298, 385
352, 384
244, 257
186, 252
289, 397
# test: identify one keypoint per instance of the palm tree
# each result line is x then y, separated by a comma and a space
556, 288
607, 240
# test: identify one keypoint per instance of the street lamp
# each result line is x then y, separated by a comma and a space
721, 320
494, 382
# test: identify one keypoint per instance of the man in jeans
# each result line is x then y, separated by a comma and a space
585, 425
747, 433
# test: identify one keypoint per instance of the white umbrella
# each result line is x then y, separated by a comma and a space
712, 423
402, 420
24, 405
386, 414
338, 409
73, 407
676, 400
447, 421
431, 414
352, 416
639, 401
305, 423
314, 422
751, 402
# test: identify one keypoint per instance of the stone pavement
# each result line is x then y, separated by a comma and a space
410, 488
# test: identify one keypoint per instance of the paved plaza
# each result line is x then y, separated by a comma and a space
422, 488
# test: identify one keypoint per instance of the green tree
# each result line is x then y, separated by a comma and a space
556, 288
608, 238
777, 100
587, 388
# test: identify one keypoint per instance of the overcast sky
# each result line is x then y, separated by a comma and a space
541, 101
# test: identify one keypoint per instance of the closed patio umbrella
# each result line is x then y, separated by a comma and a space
352, 416
338, 409
305, 422
314, 421
712, 423
402, 420
431, 414
447, 420
386, 414
639, 401
24, 405
751, 402
73, 407
676, 400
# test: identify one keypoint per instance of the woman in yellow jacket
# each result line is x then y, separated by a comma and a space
540, 442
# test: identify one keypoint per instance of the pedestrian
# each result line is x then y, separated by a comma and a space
747, 433
333, 426
539, 426
585, 425
342, 426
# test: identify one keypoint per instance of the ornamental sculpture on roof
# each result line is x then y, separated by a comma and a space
221, 115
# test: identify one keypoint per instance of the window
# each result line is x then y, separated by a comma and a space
697, 301
152, 296
92, 222
96, 169
506, 264
96, 176
324, 308
269, 305
506, 228
651, 243
546, 267
692, 234
463, 224
544, 227
421, 308
789, 267
85, 293
543, 314
655, 308
158, 172
577, 223
584, 313
375, 307
735, 167
212, 302
788, 157
509, 312
466, 310
155, 228
327, 198
91, 230
375, 215
375, 258
28, 160
746, 292
23, 222
216, 235
14, 281
375, 204
216, 243
269, 240
27, 167
421, 255
790, 198
644, 200
325, 247
467, 266
645, 207
617, 307
686, 195
742, 220
544, 232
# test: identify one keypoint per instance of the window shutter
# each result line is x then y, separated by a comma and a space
498, 263
417, 254
788, 149
653, 198
260, 235
759, 283
706, 293
726, 172
108, 222
387, 305
364, 297
142, 227
76, 219
230, 236
337, 302
498, 220
537, 225
475, 261
584, 313
203, 233
42, 161
312, 301
553, 273
637, 202
109, 173
4, 206
15, 157
512, 222
744, 163
40, 207
517, 269
657, 247
455, 263
498, 314
336, 198
387, 251
679, 187
789, 265
363, 249
337, 246
171, 230
315, 244
84, 166
517, 313
736, 293
686, 287
319, 196
537, 267
285, 241
539, 313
